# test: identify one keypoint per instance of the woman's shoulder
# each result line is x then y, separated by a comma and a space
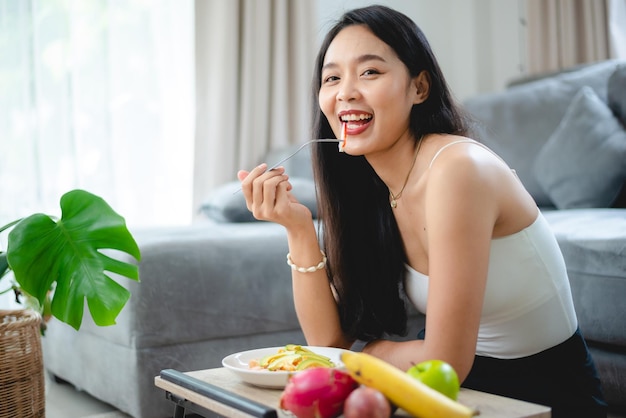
464, 168
459, 153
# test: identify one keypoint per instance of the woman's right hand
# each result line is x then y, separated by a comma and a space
269, 198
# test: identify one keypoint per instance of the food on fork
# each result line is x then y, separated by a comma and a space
291, 358
344, 137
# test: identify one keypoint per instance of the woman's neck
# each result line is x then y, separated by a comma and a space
398, 165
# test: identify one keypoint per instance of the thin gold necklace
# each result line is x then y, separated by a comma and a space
393, 199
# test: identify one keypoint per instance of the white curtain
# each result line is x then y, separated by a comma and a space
97, 95
565, 33
254, 60
617, 28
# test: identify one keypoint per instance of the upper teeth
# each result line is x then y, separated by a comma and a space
352, 117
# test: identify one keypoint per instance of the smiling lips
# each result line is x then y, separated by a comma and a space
356, 121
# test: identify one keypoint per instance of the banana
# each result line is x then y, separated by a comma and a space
404, 391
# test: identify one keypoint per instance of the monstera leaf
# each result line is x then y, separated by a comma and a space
4, 264
66, 255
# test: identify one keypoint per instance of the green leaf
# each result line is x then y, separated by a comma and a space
9, 225
4, 264
68, 253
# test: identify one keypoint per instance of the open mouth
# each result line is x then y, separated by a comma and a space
356, 122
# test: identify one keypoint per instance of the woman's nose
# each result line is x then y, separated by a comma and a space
348, 91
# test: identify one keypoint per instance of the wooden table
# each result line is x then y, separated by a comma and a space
215, 389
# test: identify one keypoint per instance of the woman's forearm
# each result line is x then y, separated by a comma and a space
403, 355
406, 354
313, 298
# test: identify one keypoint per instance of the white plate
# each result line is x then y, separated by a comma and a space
238, 364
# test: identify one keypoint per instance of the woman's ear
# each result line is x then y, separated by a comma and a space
421, 86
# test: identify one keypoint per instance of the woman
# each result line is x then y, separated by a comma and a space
413, 207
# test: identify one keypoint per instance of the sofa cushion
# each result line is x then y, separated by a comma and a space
517, 122
617, 92
227, 204
298, 163
583, 164
205, 281
593, 242
620, 201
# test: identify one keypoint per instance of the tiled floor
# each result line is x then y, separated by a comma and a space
64, 401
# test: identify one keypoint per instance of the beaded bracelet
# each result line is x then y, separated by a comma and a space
311, 269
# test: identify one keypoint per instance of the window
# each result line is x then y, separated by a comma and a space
97, 95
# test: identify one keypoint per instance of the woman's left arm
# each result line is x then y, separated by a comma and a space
461, 208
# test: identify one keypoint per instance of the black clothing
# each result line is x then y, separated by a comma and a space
563, 377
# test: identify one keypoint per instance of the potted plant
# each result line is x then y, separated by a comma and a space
60, 263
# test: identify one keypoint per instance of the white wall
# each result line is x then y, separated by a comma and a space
477, 42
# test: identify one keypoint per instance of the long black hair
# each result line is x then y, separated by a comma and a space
360, 235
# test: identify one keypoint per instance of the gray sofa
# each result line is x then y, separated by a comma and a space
223, 286
564, 135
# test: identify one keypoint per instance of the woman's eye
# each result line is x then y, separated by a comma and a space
330, 79
371, 72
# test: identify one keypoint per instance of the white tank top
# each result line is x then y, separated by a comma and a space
528, 305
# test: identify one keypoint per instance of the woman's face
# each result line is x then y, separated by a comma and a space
365, 85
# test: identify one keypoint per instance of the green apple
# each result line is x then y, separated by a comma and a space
438, 375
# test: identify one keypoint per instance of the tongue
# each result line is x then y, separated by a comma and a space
354, 124
356, 127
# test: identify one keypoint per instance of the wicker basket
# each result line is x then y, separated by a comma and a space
22, 391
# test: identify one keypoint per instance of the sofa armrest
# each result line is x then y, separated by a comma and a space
205, 282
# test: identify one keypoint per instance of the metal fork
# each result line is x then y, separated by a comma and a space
297, 151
